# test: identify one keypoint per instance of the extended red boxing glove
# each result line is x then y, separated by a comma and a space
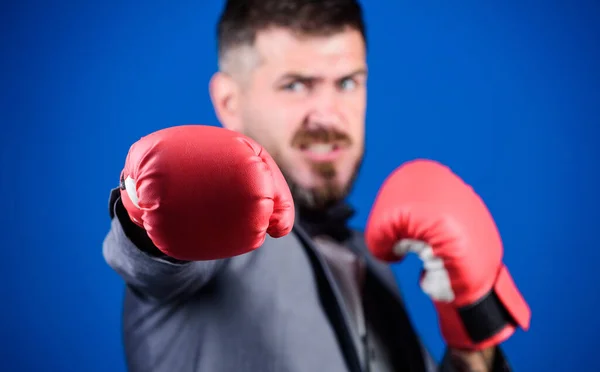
425, 208
204, 193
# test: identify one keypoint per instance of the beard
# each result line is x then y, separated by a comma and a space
329, 193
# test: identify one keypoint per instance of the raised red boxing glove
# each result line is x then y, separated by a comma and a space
423, 207
204, 193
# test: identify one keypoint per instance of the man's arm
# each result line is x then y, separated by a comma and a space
130, 252
487, 360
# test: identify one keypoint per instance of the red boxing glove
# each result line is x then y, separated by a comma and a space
425, 208
204, 193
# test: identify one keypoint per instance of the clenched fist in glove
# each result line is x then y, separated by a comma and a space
204, 193
425, 208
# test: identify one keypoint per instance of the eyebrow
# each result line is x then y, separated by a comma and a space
295, 76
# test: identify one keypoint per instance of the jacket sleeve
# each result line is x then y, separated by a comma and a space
129, 251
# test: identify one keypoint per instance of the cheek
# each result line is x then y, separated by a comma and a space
283, 118
272, 125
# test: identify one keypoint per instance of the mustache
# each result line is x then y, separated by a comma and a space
305, 137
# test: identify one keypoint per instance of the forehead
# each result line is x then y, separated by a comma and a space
281, 51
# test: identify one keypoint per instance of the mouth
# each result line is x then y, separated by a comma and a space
321, 152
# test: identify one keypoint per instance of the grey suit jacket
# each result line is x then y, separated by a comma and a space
276, 309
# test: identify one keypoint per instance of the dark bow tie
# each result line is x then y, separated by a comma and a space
331, 222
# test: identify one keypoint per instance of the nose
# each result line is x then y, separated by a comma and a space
325, 111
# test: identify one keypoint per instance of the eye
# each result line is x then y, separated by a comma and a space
296, 86
347, 84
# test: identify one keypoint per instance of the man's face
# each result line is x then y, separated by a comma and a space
305, 103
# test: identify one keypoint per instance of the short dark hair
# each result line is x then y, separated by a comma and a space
241, 20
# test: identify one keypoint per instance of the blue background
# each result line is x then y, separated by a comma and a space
507, 93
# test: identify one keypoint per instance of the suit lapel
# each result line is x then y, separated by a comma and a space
383, 284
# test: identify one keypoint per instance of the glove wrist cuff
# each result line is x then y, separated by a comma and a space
485, 318
487, 322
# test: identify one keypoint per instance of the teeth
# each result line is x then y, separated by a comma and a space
321, 148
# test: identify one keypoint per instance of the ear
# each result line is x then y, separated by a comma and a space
224, 93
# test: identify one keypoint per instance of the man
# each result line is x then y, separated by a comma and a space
208, 290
